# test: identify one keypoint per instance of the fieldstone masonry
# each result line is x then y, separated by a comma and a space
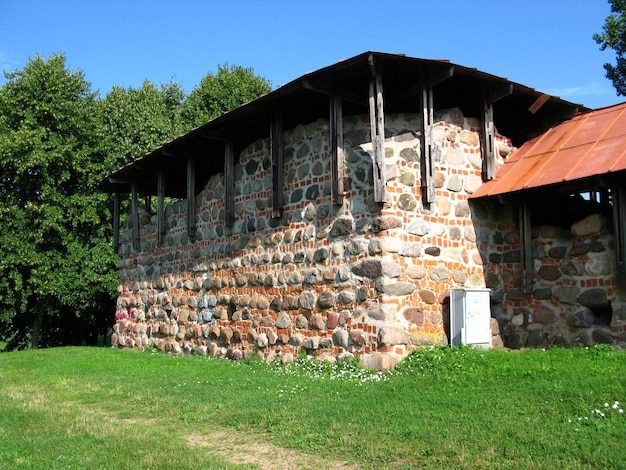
362, 278
574, 300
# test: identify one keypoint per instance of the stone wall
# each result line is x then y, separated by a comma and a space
361, 278
573, 301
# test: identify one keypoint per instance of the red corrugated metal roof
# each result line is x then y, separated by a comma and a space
586, 145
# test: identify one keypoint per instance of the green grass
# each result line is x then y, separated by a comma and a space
441, 408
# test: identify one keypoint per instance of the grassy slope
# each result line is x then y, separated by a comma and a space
443, 408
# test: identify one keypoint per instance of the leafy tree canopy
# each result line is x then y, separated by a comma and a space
217, 93
58, 272
135, 121
614, 37
55, 260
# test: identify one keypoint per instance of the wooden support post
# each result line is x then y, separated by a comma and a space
619, 224
488, 143
526, 245
135, 215
161, 207
191, 198
229, 184
488, 135
276, 143
336, 149
116, 222
427, 166
377, 126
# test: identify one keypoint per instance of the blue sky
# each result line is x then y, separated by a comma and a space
543, 44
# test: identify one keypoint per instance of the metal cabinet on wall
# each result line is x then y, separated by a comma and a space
470, 316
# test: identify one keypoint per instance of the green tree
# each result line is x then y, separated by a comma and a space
614, 37
58, 272
135, 121
57, 268
217, 93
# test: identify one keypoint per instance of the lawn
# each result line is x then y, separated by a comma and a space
441, 408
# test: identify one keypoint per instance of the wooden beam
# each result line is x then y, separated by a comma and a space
488, 137
214, 136
168, 154
439, 77
428, 81
116, 222
343, 94
276, 144
539, 102
377, 126
160, 208
336, 150
619, 224
488, 143
229, 184
134, 208
526, 245
500, 93
427, 165
118, 180
191, 198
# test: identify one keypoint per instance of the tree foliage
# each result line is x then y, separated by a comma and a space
135, 121
614, 37
58, 272
217, 93
56, 266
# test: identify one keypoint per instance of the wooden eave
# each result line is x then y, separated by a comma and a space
303, 100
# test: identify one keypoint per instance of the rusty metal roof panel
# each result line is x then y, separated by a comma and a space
587, 145
561, 166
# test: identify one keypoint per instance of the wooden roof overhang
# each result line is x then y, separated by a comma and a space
519, 112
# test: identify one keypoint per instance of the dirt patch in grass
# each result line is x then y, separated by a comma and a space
244, 448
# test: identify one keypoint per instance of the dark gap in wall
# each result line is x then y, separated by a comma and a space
549, 207
602, 316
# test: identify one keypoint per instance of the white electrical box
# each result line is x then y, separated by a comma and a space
470, 316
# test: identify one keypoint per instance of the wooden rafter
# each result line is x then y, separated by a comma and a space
343, 94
